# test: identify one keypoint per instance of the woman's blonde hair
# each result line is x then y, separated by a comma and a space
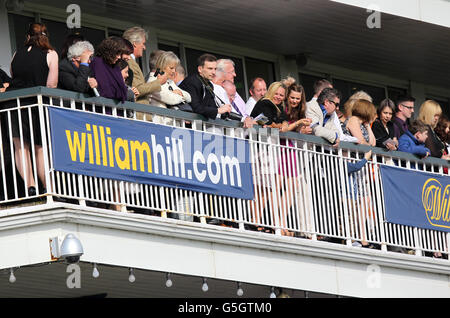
427, 111
348, 106
273, 89
288, 81
165, 59
271, 93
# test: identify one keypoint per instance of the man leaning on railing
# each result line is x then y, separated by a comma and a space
74, 70
322, 115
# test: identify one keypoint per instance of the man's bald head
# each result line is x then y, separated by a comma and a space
230, 88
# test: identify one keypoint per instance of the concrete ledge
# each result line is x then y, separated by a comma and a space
158, 244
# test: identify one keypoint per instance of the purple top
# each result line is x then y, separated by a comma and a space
400, 127
109, 79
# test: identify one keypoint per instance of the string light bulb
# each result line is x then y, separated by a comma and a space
12, 278
95, 272
205, 285
169, 282
272, 293
240, 291
131, 277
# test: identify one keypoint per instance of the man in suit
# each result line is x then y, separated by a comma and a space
323, 115
201, 89
180, 74
138, 36
318, 87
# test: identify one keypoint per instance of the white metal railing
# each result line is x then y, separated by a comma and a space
301, 186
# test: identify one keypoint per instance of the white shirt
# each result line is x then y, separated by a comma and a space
220, 92
166, 96
249, 105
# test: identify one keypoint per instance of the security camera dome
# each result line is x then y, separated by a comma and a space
71, 248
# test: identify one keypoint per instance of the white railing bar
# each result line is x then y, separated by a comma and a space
33, 154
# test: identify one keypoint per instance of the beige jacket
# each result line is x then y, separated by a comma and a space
144, 88
329, 131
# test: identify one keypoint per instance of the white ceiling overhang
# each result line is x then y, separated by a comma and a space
327, 32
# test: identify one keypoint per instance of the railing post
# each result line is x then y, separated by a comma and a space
82, 202
264, 168
252, 205
240, 217
123, 206
343, 175
198, 126
446, 248
45, 149
417, 242
309, 183
384, 228
273, 140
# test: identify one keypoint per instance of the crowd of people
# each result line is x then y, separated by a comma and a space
111, 71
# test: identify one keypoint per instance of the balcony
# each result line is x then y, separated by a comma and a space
299, 185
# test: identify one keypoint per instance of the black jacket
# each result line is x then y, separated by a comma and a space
381, 134
203, 102
72, 78
434, 143
274, 113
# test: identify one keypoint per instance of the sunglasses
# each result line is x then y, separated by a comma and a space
335, 104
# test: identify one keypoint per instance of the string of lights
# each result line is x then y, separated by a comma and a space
131, 276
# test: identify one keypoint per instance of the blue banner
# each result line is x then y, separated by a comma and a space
416, 198
142, 152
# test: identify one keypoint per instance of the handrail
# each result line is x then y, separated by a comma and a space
59, 93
